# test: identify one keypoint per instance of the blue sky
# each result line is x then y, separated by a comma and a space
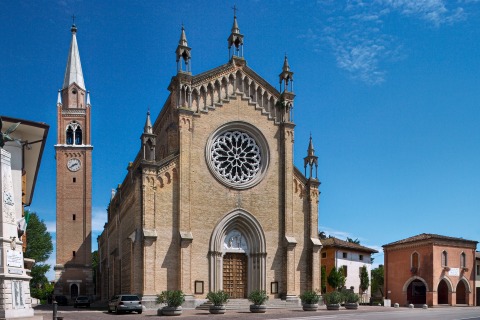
389, 90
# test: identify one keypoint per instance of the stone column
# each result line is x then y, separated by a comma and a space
15, 300
290, 269
313, 198
185, 127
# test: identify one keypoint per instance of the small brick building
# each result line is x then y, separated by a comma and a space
430, 269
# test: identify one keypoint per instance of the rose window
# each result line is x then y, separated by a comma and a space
236, 157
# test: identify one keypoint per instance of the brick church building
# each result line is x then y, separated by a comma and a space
212, 200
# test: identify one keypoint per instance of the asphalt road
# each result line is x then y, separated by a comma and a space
363, 313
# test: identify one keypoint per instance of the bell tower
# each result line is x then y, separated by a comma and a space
73, 154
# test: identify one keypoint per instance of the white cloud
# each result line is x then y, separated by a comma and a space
354, 31
434, 11
343, 235
51, 226
99, 218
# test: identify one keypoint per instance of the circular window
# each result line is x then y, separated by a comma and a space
237, 154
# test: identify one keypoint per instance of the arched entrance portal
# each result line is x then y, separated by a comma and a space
461, 293
74, 291
442, 292
237, 256
417, 292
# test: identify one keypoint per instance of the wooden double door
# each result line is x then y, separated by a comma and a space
235, 271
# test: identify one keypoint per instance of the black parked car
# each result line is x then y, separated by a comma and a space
61, 300
81, 301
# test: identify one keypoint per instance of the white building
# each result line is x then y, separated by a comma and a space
350, 257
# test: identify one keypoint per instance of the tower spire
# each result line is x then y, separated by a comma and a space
236, 38
183, 53
73, 72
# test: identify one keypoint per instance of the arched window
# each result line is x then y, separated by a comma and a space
444, 259
74, 133
78, 135
463, 260
69, 135
415, 260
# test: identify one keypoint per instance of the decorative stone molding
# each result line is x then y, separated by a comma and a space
291, 241
186, 236
316, 242
150, 234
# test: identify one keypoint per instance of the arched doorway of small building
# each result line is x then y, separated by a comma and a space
442, 292
237, 256
417, 292
461, 293
73, 291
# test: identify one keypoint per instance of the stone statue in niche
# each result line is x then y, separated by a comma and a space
235, 241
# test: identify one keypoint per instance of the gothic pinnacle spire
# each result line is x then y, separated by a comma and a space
311, 150
235, 28
286, 77
73, 72
183, 54
148, 124
236, 38
183, 38
286, 67
310, 160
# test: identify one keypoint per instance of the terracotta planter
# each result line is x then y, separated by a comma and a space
171, 311
217, 309
254, 308
351, 305
335, 306
310, 306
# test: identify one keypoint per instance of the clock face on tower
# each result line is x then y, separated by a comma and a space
74, 164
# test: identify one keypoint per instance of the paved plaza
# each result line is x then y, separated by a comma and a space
363, 313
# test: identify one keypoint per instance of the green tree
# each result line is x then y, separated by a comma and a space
336, 279
377, 280
39, 247
364, 280
95, 269
324, 279
356, 241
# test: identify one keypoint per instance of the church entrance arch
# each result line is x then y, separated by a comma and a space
237, 255
442, 292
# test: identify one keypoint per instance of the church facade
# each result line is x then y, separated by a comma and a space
213, 200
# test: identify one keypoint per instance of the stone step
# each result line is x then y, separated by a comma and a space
236, 304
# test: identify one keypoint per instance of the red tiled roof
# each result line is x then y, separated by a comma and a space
428, 236
334, 242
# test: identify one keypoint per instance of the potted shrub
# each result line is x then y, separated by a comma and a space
258, 298
351, 300
310, 300
218, 299
173, 300
333, 300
